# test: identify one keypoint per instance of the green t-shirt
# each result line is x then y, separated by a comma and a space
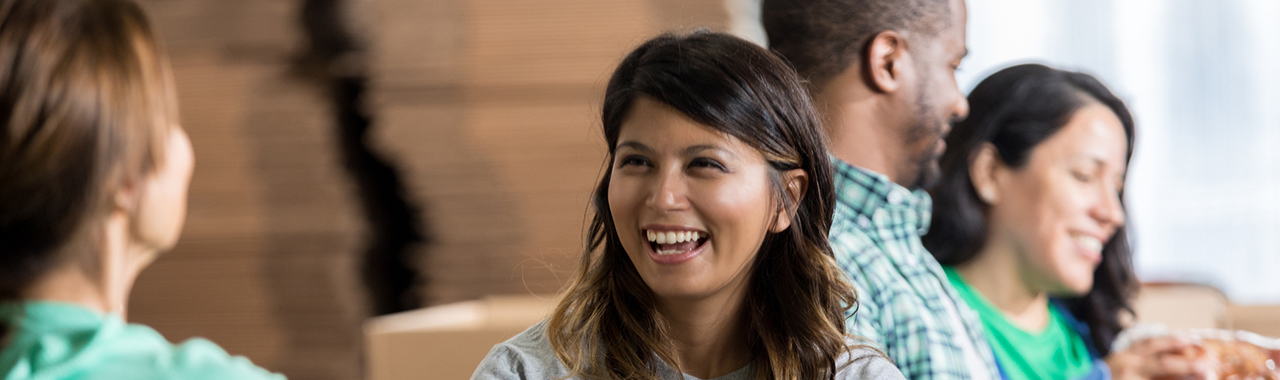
1058, 352
62, 341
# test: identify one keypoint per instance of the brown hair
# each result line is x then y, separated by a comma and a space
86, 102
821, 38
606, 325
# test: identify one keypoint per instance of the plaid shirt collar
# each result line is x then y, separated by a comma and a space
910, 308
865, 191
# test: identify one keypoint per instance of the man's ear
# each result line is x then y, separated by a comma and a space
794, 182
984, 170
885, 60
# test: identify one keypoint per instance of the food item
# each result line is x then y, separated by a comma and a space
1234, 359
1233, 355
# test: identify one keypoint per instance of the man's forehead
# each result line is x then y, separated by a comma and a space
947, 43
955, 37
959, 10
959, 25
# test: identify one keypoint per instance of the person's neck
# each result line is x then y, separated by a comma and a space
708, 333
994, 273
857, 119
106, 291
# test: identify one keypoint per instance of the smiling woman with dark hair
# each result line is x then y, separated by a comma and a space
707, 255
1029, 221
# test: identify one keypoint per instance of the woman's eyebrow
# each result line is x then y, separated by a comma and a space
1122, 171
634, 145
1098, 163
702, 147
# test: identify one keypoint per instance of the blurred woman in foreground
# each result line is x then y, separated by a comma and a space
93, 186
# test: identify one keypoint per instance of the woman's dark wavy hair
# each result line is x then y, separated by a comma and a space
1015, 110
606, 325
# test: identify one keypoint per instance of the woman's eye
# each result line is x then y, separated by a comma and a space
1081, 176
706, 163
633, 161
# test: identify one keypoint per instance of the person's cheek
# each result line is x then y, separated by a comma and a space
621, 203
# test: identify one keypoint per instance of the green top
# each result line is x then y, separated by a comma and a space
1058, 352
56, 341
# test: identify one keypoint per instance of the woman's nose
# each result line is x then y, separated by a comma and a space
668, 192
1109, 210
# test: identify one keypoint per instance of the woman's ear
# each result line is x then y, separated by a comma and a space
984, 169
126, 198
885, 59
794, 183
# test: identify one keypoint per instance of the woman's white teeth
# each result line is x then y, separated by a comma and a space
1089, 243
671, 237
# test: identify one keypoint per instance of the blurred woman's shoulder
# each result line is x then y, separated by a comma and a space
63, 341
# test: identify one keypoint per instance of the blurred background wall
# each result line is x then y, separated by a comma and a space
263, 266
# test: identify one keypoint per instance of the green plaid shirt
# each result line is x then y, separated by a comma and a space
905, 302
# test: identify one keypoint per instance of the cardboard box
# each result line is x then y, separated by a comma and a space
447, 341
1182, 306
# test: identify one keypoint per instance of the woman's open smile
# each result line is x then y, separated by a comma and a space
672, 245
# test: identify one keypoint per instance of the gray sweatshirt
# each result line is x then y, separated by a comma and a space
529, 356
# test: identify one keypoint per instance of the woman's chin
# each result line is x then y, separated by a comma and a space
683, 288
1069, 285
678, 291
1077, 288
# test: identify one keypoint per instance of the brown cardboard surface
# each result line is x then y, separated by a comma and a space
431, 355
1259, 319
447, 341
1182, 306
1198, 306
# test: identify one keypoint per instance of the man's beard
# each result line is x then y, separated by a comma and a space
921, 168
923, 164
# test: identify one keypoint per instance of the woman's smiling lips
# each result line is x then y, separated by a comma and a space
1089, 246
671, 245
